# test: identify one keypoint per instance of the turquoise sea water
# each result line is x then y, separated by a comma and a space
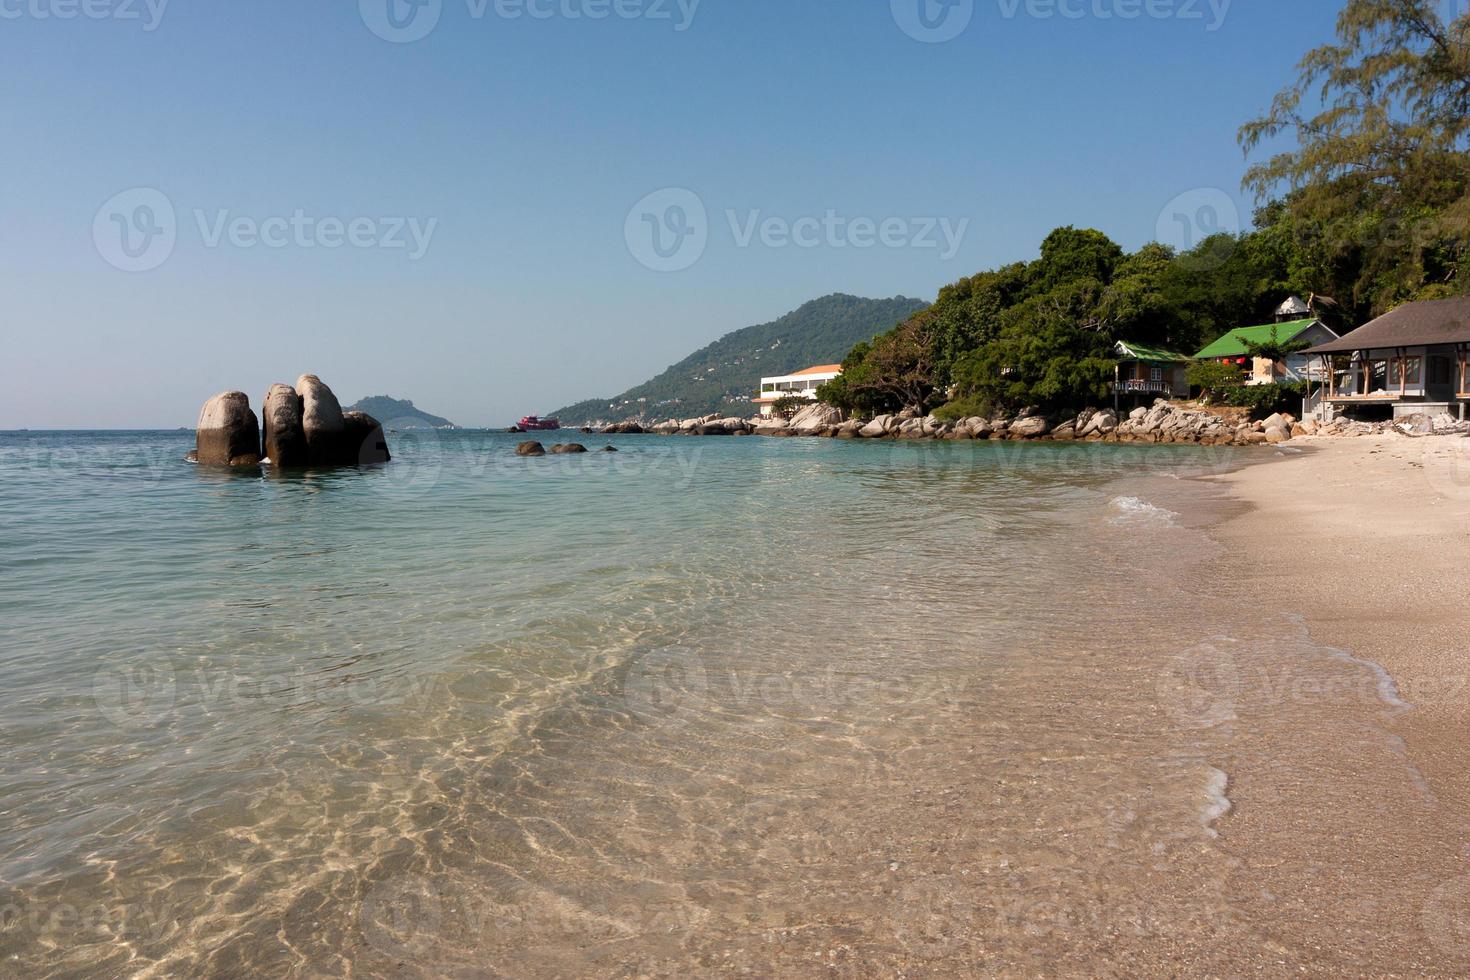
698, 704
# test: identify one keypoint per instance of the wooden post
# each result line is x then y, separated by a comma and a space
1403, 372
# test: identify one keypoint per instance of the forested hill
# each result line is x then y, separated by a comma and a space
398, 414
724, 376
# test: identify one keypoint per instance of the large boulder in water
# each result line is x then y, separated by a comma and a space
530, 449
815, 417
321, 420
283, 435
363, 437
228, 433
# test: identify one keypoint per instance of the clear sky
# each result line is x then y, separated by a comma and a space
200, 195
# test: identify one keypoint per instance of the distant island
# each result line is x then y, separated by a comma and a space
723, 376
398, 414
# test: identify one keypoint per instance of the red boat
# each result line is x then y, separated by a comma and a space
533, 423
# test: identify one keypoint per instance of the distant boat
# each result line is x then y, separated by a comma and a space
533, 423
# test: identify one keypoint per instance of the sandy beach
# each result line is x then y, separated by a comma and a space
1357, 840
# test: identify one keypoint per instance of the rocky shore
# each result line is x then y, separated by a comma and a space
1162, 423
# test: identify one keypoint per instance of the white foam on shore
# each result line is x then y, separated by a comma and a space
1217, 803
1387, 688
1132, 510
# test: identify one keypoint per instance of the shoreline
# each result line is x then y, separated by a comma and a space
1405, 503
1363, 540
1162, 422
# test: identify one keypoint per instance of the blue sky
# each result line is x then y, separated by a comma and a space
453, 219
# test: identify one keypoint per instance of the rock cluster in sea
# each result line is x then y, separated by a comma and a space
561, 449
302, 426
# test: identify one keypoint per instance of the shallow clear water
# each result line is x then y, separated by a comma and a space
701, 704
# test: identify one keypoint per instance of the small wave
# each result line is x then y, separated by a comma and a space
1387, 687
1132, 510
1217, 803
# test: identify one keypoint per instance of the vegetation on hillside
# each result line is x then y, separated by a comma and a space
723, 376
1040, 334
1370, 209
399, 414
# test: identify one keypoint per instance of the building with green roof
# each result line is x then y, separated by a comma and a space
1232, 349
1145, 373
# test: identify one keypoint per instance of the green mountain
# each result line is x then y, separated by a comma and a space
724, 376
395, 414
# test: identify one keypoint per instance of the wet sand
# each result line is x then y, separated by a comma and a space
1368, 540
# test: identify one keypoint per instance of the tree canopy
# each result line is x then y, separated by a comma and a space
1274, 349
1041, 333
1376, 184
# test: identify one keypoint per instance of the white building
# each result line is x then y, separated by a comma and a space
802, 384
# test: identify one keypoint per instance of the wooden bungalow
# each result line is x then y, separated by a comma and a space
1146, 373
1412, 360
